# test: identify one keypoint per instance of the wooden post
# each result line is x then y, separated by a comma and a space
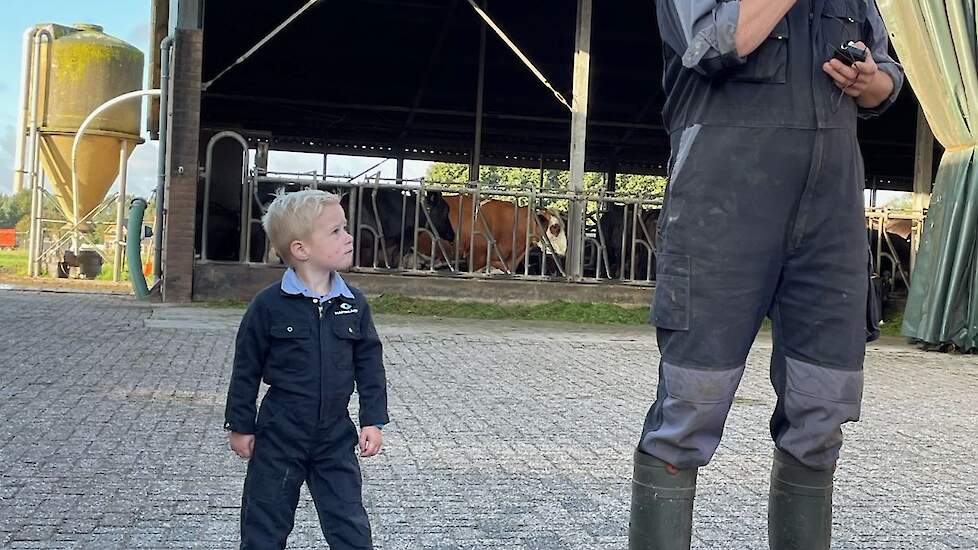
579, 109
475, 160
923, 174
612, 184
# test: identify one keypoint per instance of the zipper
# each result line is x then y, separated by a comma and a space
322, 354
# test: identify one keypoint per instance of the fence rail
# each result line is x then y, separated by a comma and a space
476, 230
499, 232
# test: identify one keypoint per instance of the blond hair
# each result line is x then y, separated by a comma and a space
291, 216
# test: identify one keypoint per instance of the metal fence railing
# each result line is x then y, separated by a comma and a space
417, 227
473, 230
894, 238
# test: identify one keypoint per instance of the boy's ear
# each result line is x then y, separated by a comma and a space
298, 251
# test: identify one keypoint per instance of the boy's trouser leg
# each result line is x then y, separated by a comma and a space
335, 484
271, 492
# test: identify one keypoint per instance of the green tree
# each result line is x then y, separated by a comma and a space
904, 202
556, 180
13, 208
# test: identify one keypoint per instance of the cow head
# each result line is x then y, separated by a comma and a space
440, 217
552, 224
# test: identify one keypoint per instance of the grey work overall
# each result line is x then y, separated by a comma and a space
763, 217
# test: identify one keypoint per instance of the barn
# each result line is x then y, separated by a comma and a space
540, 85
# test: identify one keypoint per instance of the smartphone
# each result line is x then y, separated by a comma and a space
849, 53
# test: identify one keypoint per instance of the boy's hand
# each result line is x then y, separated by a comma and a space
243, 445
371, 439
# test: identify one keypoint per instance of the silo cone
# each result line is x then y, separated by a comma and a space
83, 68
96, 169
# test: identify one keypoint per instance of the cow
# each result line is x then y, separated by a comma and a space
894, 262
615, 232
543, 263
384, 225
498, 238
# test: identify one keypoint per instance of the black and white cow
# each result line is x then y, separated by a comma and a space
384, 222
616, 232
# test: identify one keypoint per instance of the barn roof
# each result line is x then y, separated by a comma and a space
374, 77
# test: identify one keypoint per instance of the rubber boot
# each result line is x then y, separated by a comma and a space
799, 513
662, 506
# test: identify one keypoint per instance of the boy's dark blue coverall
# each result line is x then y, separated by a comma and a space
763, 216
310, 352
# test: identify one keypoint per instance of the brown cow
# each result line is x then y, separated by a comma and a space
506, 225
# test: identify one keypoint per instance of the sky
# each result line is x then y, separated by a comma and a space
124, 19
127, 20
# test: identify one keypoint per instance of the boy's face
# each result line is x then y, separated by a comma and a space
328, 247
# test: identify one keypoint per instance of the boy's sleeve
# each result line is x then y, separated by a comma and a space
250, 351
370, 377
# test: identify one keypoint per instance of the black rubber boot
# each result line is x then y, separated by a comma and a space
662, 506
799, 513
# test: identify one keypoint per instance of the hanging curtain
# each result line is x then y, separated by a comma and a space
936, 42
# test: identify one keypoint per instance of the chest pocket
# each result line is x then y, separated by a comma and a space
290, 344
347, 332
842, 21
768, 64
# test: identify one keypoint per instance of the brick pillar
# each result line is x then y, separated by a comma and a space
181, 167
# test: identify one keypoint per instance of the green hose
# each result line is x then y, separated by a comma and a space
134, 234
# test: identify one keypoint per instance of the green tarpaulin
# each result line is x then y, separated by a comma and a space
936, 42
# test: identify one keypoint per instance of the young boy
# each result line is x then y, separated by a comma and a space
310, 338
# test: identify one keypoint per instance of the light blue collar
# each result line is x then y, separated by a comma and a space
292, 284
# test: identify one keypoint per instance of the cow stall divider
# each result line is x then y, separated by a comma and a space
530, 246
894, 236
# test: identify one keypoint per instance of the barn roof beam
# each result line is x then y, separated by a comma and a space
261, 42
420, 110
519, 53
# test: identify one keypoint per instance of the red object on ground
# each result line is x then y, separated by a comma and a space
8, 237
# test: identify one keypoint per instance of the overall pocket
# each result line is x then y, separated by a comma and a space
670, 303
290, 346
842, 21
768, 64
347, 334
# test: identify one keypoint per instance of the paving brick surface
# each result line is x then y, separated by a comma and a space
503, 435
